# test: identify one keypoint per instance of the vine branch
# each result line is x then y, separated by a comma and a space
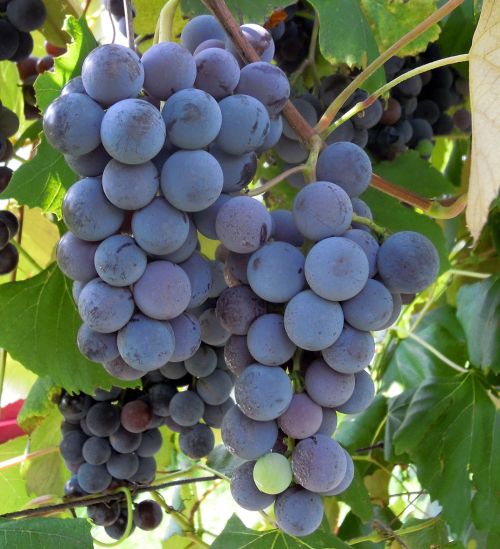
92, 500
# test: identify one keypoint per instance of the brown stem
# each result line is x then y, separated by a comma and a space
249, 55
27, 457
86, 501
86, 7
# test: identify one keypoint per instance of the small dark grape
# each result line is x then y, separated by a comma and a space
74, 407
135, 416
104, 514
45, 64
147, 515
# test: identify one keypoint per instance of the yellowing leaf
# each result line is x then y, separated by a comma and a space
484, 73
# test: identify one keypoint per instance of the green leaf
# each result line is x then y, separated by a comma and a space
357, 497
346, 37
478, 309
447, 432
222, 461
397, 408
46, 474
48, 85
411, 172
392, 19
237, 536
41, 182
10, 92
38, 326
250, 11
434, 534
53, 28
38, 404
12, 484
45, 533
411, 363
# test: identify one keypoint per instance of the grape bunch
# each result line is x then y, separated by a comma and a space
110, 440
29, 69
17, 19
287, 306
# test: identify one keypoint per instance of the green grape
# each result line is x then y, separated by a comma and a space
272, 473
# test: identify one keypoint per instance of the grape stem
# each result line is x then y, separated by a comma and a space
436, 353
337, 103
380, 231
129, 23
92, 500
268, 185
362, 105
130, 522
165, 24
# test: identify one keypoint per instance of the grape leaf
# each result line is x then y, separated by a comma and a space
392, 19
478, 309
434, 533
46, 474
249, 11
45, 533
38, 326
356, 496
484, 71
237, 536
447, 432
41, 182
9, 89
53, 29
12, 483
49, 84
38, 404
222, 461
346, 37
396, 412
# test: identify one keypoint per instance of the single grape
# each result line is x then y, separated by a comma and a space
202, 363
311, 322
237, 308
120, 369
103, 419
346, 165
362, 396
118, 528
124, 441
215, 388
237, 355
187, 335
119, 261
274, 135
75, 257
260, 39
96, 451
246, 438
237, 170
302, 419
96, 346
392, 112
146, 344
93, 478
74, 407
346, 481
218, 72
329, 423
111, 73
101, 395
197, 442
91, 164
322, 209
352, 352
200, 29
205, 220
163, 292
343, 133
88, 213
212, 331
213, 415
218, 281
9, 40
272, 473
186, 408
150, 444
298, 512
9, 122
284, 228
336, 268
263, 393
146, 472
71, 447
122, 466
245, 124
104, 514
326, 386
245, 491
173, 370
72, 124
276, 272
147, 515
187, 249
291, 151
267, 83
136, 416
159, 228
370, 309
75, 85
132, 131
26, 15
130, 187
318, 463
243, 224
268, 341
168, 68
105, 308
210, 43
421, 130
307, 111
235, 269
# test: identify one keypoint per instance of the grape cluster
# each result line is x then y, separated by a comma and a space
301, 341
9, 256
29, 69
287, 307
17, 19
424, 106
110, 440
